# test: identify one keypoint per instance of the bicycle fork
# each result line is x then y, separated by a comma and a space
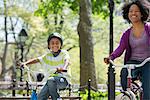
129, 81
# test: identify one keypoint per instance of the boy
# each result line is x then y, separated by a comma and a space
58, 59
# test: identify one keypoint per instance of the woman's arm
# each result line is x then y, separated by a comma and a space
124, 42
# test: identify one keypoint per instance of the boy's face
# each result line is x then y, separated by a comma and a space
54, 44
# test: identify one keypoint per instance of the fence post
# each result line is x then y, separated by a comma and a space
21, 74
13, 91
89, 89
27, 87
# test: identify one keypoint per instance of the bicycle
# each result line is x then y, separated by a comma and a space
134, 90
34, 84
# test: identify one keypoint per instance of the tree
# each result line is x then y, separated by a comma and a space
3, 58
55, 8
87, 66
10, 24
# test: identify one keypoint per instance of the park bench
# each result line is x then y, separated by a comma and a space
8, 85
28, 98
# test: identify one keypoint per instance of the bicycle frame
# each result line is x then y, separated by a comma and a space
129, 77
129, 81
32, 78
46, 75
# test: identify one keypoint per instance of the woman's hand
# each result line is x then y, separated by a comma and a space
106, 60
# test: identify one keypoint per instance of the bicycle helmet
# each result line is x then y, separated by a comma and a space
55, 35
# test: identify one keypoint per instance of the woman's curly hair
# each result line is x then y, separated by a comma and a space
144, 11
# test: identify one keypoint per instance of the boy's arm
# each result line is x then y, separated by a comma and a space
66, 63
31, 61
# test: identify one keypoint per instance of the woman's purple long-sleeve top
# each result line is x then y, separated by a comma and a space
124, 44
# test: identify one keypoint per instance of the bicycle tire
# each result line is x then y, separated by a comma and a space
135, 87
128, 95
125, 97
137, 90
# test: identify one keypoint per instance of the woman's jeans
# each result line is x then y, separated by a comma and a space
51, 88
144, 73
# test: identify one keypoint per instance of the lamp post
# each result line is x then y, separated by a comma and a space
111, 74
22, 37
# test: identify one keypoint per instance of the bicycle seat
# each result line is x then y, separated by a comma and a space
40, 77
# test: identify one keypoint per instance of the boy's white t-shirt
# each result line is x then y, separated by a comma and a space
50, 63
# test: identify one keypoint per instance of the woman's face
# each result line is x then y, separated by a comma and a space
54, 44
134, 14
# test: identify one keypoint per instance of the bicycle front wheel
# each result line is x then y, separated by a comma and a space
123, 96
127, 95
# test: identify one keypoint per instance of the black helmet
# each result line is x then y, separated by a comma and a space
56, 35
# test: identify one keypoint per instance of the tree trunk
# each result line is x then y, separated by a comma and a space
6, 44
87, 66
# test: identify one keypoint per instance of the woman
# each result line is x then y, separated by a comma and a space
135, 41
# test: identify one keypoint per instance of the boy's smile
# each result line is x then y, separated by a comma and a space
54, 44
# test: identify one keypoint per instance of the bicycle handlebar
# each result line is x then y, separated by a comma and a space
27, 68
144, 62
29, 72
132, 66
64, 70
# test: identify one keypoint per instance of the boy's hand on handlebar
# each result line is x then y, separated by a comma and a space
59, 69
106, 60
22, 65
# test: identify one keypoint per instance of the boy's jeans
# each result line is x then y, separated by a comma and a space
51, 87
145, 77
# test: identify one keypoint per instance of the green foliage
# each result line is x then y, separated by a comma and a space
35, 23
100, 33
99, 7
74, 5
96, 95
51, 7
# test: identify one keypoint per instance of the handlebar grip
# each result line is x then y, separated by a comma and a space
64, 70
22, 66
59, 71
